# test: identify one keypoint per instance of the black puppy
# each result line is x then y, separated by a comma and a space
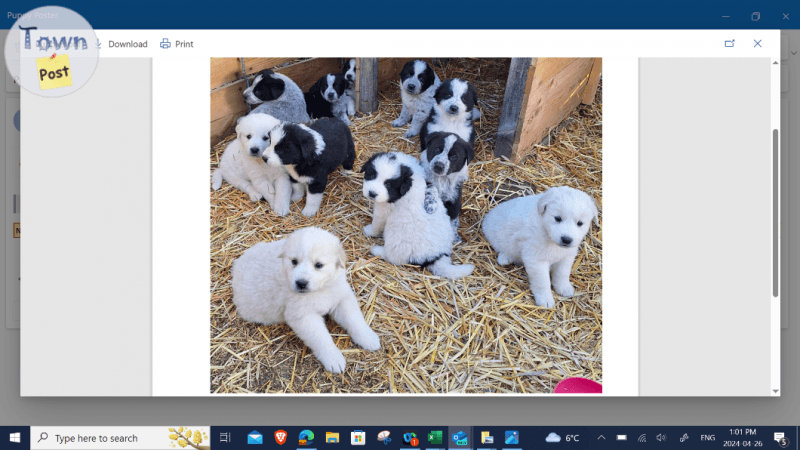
445, 163
310, 153
322, 100
453, 111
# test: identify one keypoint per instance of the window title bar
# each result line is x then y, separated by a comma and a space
464, 14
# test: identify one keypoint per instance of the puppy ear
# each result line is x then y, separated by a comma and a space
318, 84
398, 187
276, 87
470, 151
429, 138
474, 96
547, 198
308, 146
438, 95
341, 258
594, 210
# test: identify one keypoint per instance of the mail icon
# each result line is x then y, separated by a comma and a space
255, 438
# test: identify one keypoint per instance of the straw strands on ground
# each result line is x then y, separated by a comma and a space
482, 334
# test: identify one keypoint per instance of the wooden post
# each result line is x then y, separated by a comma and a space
367, 85
512, 105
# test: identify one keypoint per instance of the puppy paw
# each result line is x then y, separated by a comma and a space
409, 134
367, 340
503, 259
398, 123
281, 210
368, 231
255, 197
564, 289
544, 300
309, 212
376, 250
297, 195
431, 197
333, 361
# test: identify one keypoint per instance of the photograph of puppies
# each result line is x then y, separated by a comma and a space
436, 232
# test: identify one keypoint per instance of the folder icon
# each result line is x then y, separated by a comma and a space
486, 438
331, 438
255, 438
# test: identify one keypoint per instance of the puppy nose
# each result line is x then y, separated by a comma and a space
330, 96
438, 167
254, 150
453, 108
301, 284
372, 194
412, 86
566, 240
350, 78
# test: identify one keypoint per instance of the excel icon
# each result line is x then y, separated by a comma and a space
435, 437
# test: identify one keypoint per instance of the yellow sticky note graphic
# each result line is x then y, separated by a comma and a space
54, 72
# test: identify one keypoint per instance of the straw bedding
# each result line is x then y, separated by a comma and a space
482, 334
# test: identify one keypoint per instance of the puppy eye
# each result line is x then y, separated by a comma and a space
266, 138
447, 96
294, 262
249, 136
318, 265
580, 224
438, 150
558, 218
452, 157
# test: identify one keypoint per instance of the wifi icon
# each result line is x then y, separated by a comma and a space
643, 438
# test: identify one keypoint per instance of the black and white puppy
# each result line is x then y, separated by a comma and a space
349, 74
418, 83
327, 98
445, 163
453, 111
396, 183
278, 96
310, 153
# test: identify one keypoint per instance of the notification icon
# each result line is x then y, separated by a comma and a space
280, 437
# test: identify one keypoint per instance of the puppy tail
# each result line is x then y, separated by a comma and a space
443, 267
216, 179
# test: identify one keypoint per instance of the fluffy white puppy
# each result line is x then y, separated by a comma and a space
542, 232
418, 83
298, 280
396, 183
242, 167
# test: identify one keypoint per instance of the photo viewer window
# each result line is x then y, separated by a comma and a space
494, 212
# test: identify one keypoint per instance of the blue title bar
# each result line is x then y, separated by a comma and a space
462, 14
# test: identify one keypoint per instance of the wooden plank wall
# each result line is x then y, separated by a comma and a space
554, 88
227, 85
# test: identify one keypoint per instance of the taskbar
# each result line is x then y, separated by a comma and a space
396, 437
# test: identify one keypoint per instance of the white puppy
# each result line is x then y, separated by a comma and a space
298, 280
242, 167
396, 183
543, 232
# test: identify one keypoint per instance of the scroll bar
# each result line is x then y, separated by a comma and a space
775, 215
